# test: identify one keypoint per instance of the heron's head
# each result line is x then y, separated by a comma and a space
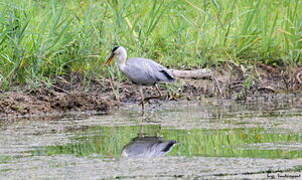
116, 51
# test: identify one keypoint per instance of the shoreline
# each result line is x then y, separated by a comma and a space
100, 96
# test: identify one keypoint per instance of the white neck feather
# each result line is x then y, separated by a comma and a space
122, 57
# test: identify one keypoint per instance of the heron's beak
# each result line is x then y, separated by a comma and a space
109, 60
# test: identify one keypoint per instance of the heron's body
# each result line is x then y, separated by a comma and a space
147, 147
146, 72
141, 71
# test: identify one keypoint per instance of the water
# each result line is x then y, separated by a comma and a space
215, 139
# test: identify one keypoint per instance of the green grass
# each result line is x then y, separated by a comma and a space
40, 40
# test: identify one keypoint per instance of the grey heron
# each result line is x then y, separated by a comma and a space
141, 71
147, 147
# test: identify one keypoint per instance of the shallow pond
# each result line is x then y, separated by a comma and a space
214, 139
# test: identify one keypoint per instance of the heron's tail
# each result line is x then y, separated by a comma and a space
169, 77
168, 145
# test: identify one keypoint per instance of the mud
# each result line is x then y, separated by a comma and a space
43, 101
229, 81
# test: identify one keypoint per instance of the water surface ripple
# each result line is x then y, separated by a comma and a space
212, 139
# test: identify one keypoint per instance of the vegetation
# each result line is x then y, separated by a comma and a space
40, 40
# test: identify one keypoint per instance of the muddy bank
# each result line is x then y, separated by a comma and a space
43, 101
228, 81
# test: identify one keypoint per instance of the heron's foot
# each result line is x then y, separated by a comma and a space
143, 107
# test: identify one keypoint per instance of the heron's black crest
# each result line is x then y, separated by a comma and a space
115, 48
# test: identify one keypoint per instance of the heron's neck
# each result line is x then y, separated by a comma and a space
122, 60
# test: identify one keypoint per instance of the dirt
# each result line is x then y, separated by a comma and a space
43, 101
101, 95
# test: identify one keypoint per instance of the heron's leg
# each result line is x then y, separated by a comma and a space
156, 86
142, 98
154, 97
141, 132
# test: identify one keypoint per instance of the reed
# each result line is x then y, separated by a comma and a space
40, 40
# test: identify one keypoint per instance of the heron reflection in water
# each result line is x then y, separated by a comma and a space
141, 71
147, 147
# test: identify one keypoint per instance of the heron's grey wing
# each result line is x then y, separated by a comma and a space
138, 72
147, 147
148, 71
162, 73
138, 149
